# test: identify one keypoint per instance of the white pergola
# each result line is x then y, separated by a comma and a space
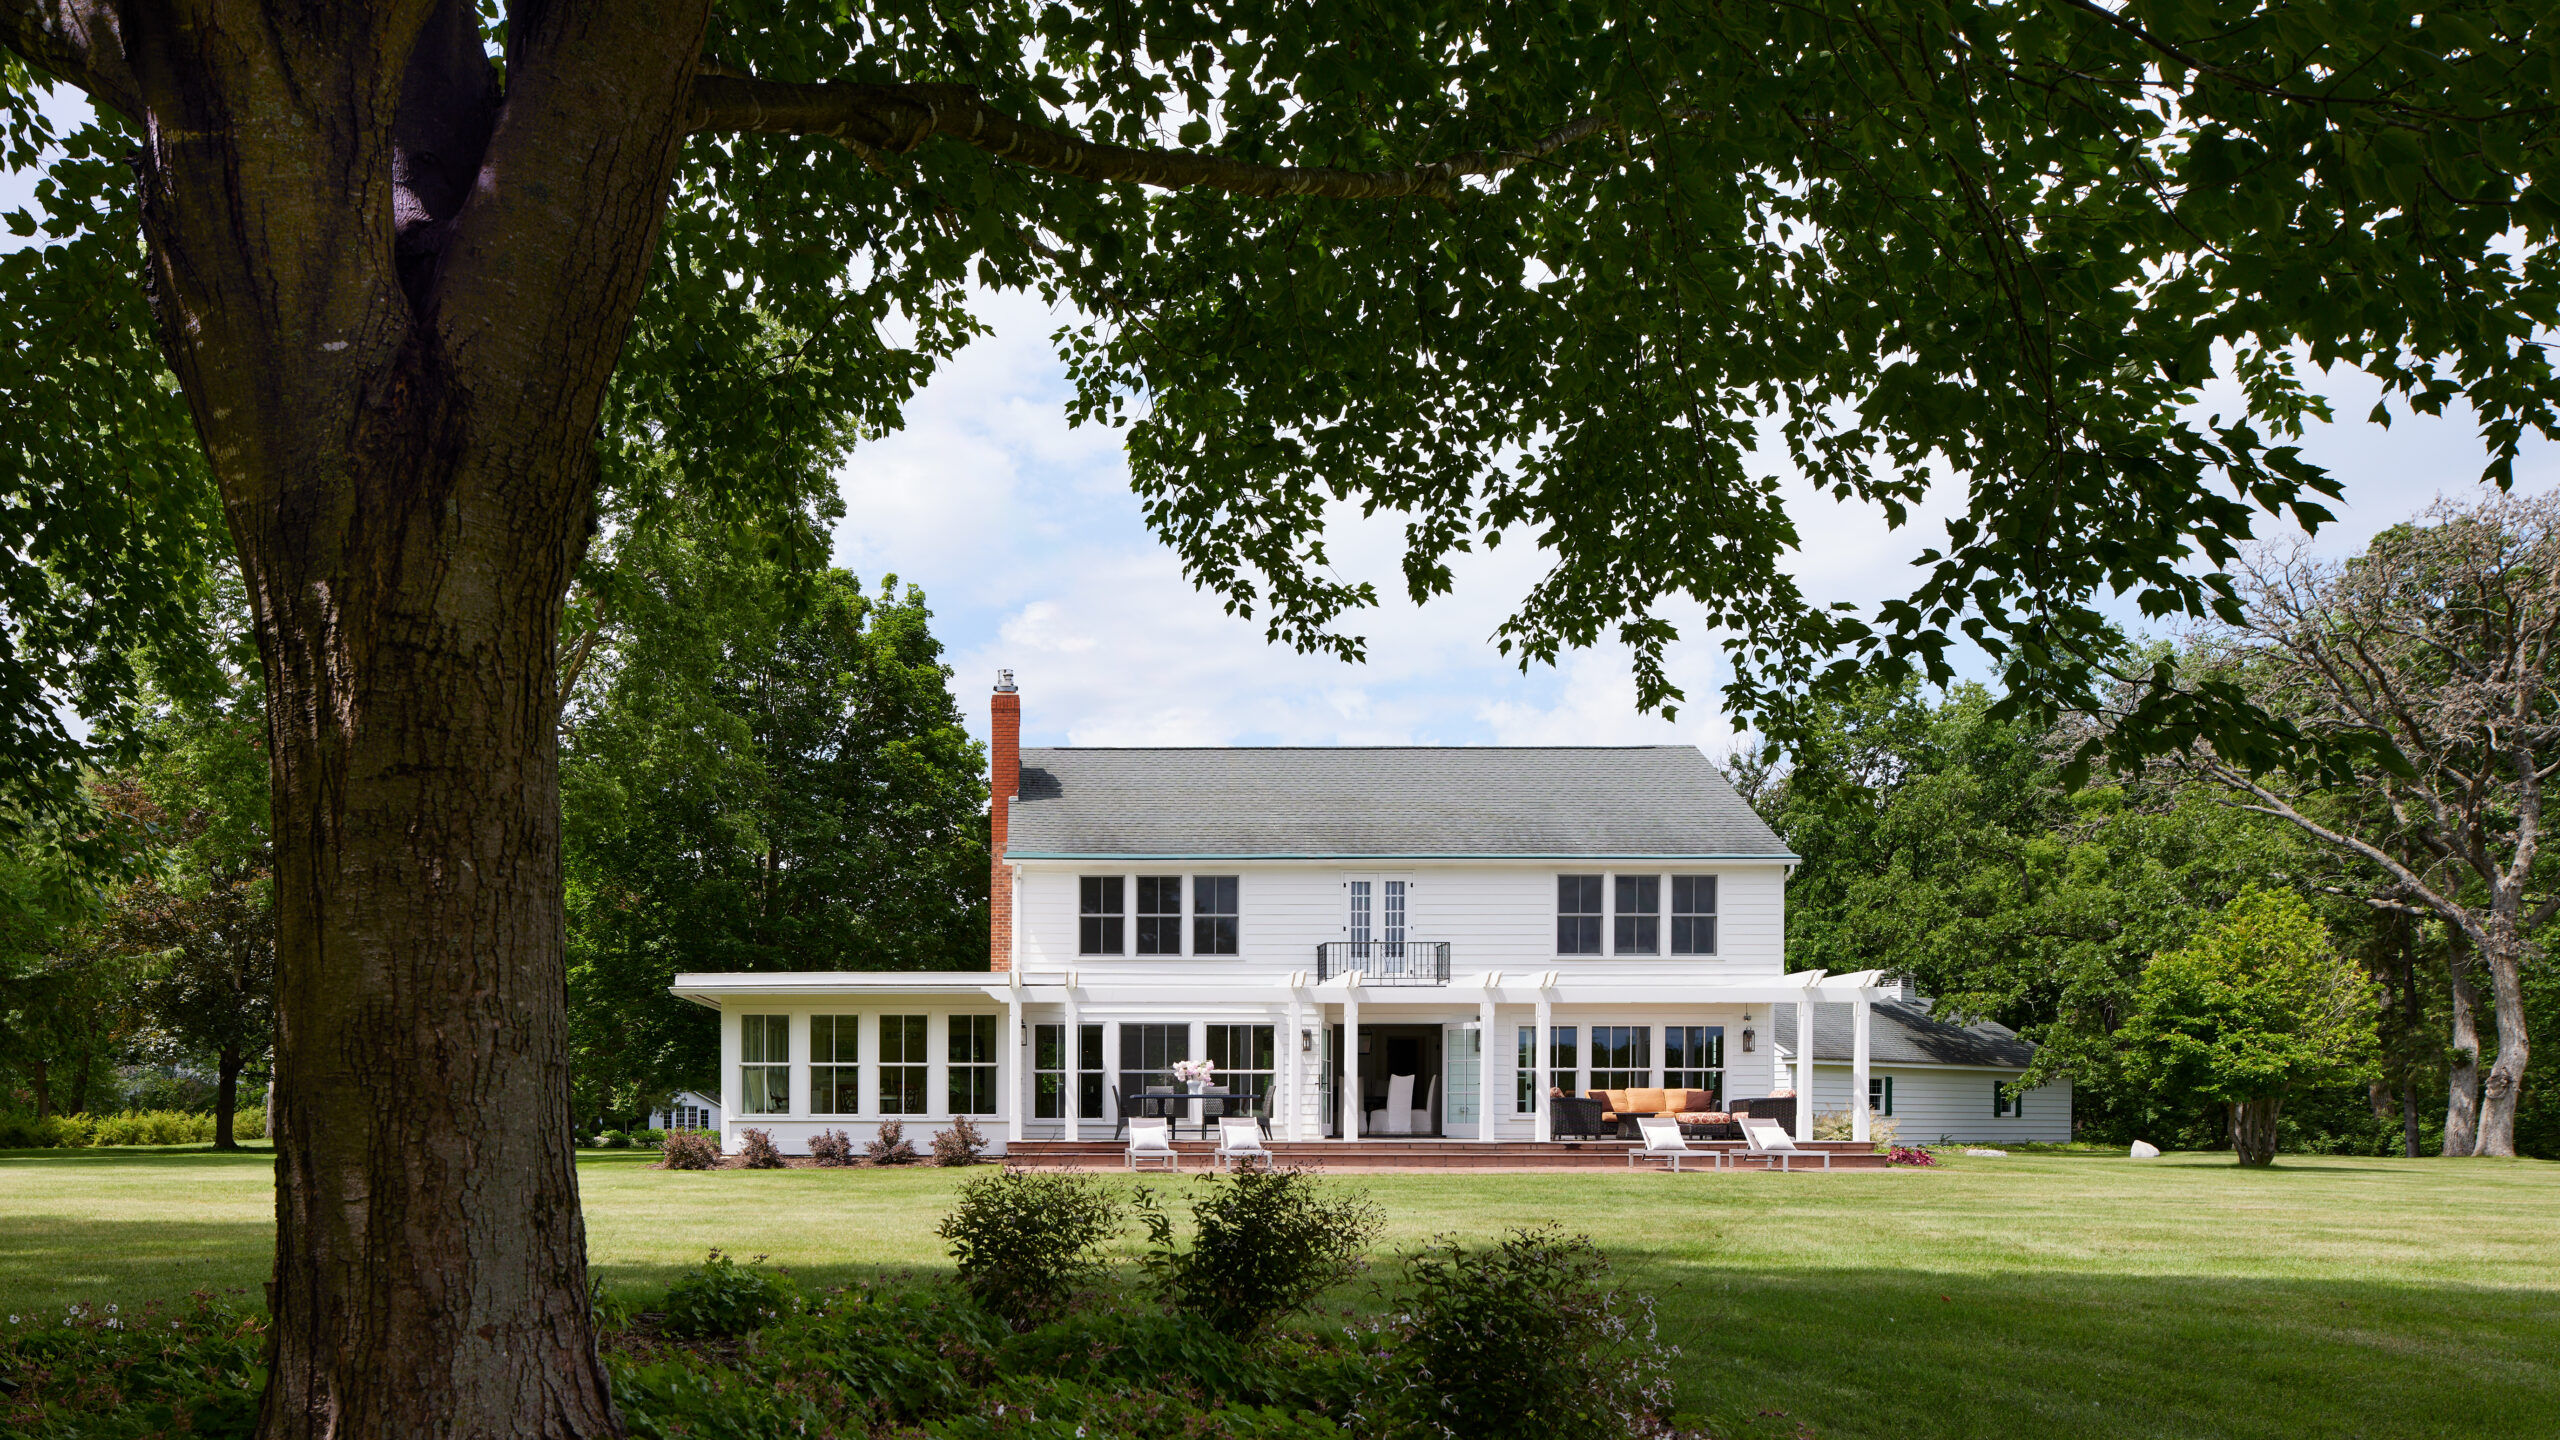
1307, 1002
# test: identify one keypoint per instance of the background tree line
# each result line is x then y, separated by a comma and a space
1941, 839
762, 768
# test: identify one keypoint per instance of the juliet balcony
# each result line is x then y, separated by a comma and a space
1385, 962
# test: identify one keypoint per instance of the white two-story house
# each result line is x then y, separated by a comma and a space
1337, 930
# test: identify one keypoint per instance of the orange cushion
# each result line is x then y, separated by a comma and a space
1704, 1117
1645, 1102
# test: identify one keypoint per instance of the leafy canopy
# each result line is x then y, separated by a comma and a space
2258, 1003
1638, 253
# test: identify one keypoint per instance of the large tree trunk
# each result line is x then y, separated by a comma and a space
2409, 1118
2253, 1129
2504, 1087
44, 1087
394, 299
226, 1099
2462, 1070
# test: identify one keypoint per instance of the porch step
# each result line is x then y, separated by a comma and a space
1387, 1155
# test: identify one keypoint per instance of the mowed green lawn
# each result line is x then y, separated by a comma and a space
2033, 1297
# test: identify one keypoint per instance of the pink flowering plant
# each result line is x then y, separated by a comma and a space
1909, 1155
1195, 1072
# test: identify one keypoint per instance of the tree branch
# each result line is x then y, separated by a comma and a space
78, 44
897, 118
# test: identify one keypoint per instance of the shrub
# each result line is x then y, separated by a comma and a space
1526, 1341
721, 1298
648, 1139
1264, 1243
1025, 1239
890, 1146
1909, 1155
249, 1124
757, 1150
958, 1145
831, 1148
689, 1150
614, 1140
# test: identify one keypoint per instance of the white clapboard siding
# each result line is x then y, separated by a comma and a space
1934, 1103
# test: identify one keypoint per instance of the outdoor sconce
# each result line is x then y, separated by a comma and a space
1746, 1042
1306, 1042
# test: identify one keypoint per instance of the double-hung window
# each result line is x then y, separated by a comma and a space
1693, 914
1054, 1077
973, 1065
2006, 1106
1621, 1057
1578, 914
902, 1065
764, 1064
689, 1117
1243, 1055
1213, 915
1562, 1063
1880, 1094
1639, 914
1159, 914
835, 1070
1693, 1058
1100, 913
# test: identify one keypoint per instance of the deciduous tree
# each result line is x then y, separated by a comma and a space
2259, 1003
1501, 271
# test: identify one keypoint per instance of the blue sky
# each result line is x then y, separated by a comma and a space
1032, 553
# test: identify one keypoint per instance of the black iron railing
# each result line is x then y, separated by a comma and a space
1385, 962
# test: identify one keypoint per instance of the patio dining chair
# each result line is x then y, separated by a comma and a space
1150, 1140
1662, 1142
1767, 1141
1127, 1108
1397, 1117
1240, 1142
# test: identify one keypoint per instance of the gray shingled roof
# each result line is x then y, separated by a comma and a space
1904, 1033
1403, 802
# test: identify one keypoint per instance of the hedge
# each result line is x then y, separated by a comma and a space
133, 1127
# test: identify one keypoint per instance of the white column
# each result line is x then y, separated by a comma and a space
1111, 1070
1199, 1051
1072, 1102
1015, 1084
1484, 1069
799, 1024
1859, 1120
1288, 1086
1346, 1070
730, 1091
1804, 1066
1542, 1078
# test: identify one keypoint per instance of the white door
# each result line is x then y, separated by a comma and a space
1461, 1070
1376, 921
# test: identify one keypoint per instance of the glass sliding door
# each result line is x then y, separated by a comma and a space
1461, 1067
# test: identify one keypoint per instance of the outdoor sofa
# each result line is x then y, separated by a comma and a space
1694, 1110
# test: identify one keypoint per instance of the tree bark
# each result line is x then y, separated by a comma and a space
2504, 1087
2253, 1129
2409, 1118
44, 1088
393, 298
2462, 1103
226, 1099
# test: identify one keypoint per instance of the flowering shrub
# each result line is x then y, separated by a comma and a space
1909, 1155
960, 1144
890, 1146
757, 1150
689, 1150
831, 1147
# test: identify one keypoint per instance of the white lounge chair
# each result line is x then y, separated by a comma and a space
1240, 1142
1662, 1142
1768, 1142
1397, 1118
1151, 1139
1422, 1113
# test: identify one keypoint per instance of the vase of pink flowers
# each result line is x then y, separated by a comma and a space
1195, 1073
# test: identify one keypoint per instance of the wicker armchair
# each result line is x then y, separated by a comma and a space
1574, 1117
1781, 1108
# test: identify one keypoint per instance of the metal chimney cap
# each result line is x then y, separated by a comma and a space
1004, 682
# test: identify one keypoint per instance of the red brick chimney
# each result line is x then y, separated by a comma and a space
1004, 781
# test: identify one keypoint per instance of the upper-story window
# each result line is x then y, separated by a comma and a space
1159, 915
1693, 914
1639, 914
1101, 907
1578, 914
1213, 915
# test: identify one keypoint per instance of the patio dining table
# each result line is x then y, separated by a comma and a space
1175, 1106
